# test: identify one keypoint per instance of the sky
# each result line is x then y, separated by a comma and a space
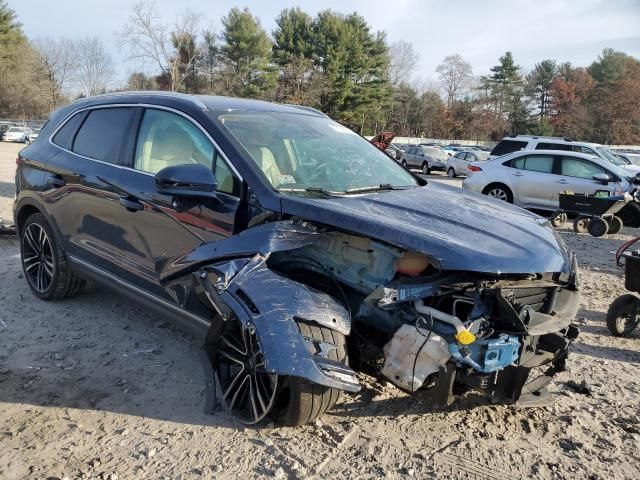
480, 31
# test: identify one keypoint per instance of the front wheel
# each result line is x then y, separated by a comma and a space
300, 401
451, 173
404, 163
623, 315
425, 168
598, 227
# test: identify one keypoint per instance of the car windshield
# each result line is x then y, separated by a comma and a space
309, 154
611, 156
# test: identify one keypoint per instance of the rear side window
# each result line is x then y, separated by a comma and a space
508, 146
554, 146
459, 155
534, 163
102, 134
64, 137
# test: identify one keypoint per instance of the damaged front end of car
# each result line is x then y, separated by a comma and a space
287, 296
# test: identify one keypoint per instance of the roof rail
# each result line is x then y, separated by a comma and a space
155, 93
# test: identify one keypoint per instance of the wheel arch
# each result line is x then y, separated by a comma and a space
507, 188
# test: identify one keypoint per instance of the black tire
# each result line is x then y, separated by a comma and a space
493, 190
53, 278
598, 227
425, 169
451, 173
559, 220
623, 315
404, 163
300, 401
630, 215
581, 225
615, 225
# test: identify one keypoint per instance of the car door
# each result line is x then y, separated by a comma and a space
82, 175
411, 157
157, 227
458, 163
576, 174
533, 180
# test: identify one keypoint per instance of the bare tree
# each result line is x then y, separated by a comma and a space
404, 60
95, 66
58, 57
172, 48
455, 77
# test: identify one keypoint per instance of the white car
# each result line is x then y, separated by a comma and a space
17, 134
533, 142
534, 179
459, 163
33, 135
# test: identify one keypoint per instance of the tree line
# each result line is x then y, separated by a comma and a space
334, 62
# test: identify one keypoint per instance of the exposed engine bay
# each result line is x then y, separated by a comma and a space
405, 319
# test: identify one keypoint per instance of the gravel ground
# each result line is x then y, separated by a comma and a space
94, 387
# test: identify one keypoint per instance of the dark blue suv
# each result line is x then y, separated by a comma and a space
296, 249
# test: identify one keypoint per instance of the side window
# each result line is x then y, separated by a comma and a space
539, 163
508, 146
575, 167
459, 155
586, 150
411, 151
64, 137
554, 146
470, 157
102, 134
168, 139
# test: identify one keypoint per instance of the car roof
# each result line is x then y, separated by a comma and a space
203, 102
553, 139
564, 153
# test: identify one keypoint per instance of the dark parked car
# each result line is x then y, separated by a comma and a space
296, 249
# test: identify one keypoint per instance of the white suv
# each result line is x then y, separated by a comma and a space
532, 142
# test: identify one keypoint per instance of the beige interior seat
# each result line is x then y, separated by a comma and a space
267, 162
170, 146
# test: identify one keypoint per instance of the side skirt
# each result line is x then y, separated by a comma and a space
186, 321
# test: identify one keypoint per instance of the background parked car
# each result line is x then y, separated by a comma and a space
458, 164
534, 179
33, 135
529, 142
394, 152
17, 134
425, 158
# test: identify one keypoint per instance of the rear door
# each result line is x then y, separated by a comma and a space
82, 178
534, 181
576, 175
156, 228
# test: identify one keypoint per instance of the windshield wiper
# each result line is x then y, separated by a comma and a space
382, 186
315, 190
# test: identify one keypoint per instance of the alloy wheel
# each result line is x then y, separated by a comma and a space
498, 193
37, 257
247, 390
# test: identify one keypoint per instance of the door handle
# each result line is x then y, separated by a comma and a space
564, 182
131, 204
518, 174
56, 181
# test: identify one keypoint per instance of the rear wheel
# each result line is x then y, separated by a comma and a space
451, 172
623, 315
44, 263
559, 220
615, 225
404, 163
598, 227
499, 191
581, 224
425, 168
300, 401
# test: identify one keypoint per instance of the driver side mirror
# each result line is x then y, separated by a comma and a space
602, 177
187, 181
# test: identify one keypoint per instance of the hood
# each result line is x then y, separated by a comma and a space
457, 229
634, 169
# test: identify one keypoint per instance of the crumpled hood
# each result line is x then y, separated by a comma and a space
457, 229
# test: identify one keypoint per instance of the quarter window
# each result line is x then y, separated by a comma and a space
534, 163
102, 134
507, 146
64, 137
575, 167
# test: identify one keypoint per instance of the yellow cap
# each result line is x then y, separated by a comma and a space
465, 337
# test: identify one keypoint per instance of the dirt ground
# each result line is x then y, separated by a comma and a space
95, 387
